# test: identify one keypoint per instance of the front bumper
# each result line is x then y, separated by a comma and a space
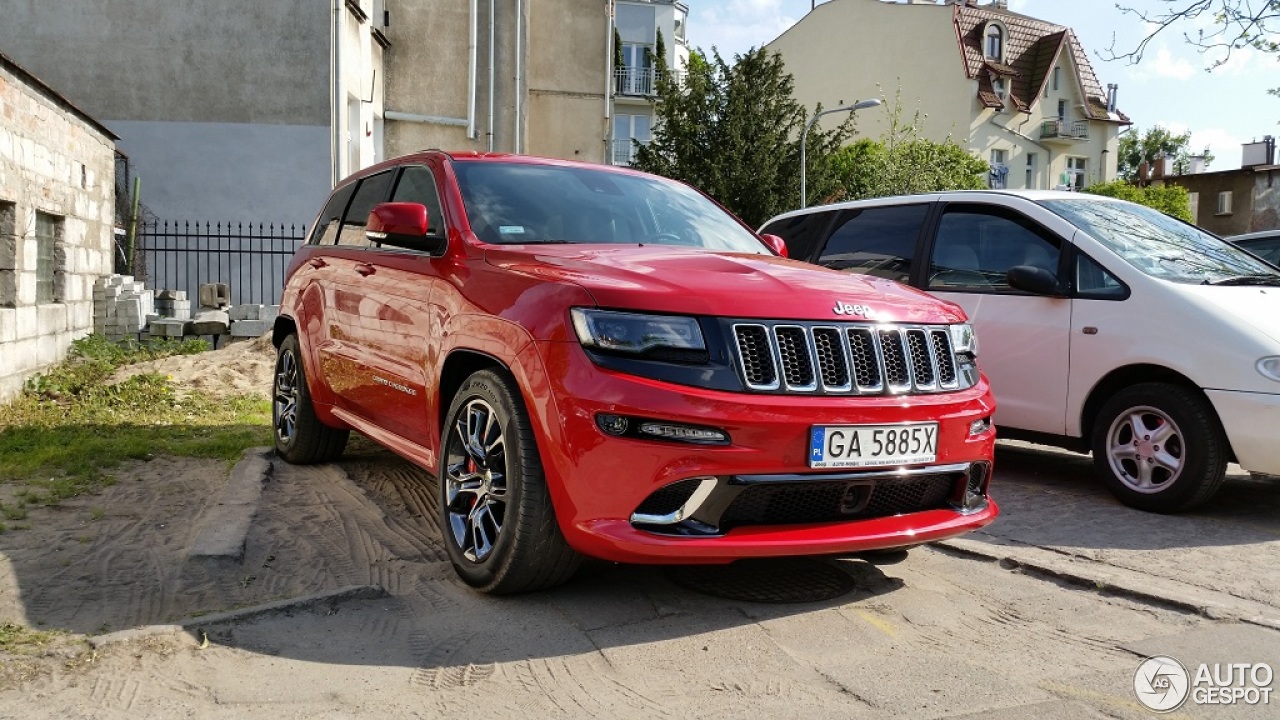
598, 482
1250, 421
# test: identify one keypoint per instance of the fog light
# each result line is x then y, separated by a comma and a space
612, 424
977, 427
685, 433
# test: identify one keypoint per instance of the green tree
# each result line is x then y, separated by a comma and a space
1168, 199
902, 162
1137, 147
733, 131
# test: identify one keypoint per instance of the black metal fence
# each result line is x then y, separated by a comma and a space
250, 258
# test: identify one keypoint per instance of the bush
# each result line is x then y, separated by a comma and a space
1169, 199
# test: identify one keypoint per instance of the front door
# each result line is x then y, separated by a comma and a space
1024, 340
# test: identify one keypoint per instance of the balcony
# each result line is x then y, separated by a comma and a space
639, 82
1064, 131
623, 151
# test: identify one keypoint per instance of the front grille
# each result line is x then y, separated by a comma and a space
847, 358
837, 501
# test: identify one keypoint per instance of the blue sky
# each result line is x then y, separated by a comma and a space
1170, 87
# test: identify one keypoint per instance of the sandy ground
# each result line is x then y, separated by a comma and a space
238, 368
928, 635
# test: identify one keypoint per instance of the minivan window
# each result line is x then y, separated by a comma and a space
976, 246
876, 241
802, 233
523, 203
372, 190
1162, 246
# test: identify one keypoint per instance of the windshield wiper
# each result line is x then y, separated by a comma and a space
1268, 279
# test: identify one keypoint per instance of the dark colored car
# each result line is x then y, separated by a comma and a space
1265, 244
595, 361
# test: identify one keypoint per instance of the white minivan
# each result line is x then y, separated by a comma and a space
1105, 326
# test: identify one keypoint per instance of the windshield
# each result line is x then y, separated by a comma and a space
1162, 246
517, 203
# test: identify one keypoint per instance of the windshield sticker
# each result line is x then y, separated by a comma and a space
511, 229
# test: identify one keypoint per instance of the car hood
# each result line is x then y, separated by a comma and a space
1256, 306
698, 282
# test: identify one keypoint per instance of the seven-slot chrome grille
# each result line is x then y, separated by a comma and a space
845, 358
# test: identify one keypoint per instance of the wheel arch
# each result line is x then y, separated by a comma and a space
283, 326
460, 364
1123, 377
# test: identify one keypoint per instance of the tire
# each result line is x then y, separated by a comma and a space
499, 527
1160, 448
300, 436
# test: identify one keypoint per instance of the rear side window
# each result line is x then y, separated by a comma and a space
976, 246
373, 190
1268, 249
802, 233
416, 184
326, 230
876, 241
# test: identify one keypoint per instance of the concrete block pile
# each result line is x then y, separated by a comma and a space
120, 306
173, 304
252, 321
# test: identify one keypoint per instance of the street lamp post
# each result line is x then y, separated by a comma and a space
862, 105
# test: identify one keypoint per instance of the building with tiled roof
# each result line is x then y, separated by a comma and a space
1018, 92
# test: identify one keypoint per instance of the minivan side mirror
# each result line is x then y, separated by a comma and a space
1032, 279
403, 224
776, 244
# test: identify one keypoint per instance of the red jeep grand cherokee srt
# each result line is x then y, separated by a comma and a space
601, 362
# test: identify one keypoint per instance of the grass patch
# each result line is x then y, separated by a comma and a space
18, 639
62, 437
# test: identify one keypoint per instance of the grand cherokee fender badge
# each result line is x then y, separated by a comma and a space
844, 308
395, 385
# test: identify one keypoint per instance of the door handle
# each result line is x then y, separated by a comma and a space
365, 269
317, 263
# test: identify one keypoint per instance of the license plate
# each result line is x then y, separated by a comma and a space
847, 446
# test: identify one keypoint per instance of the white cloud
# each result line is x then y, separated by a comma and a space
1164, 64
1222, 144
736, 26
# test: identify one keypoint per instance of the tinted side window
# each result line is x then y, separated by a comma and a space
1267, 249
373, 190
975, 247
876, 241
802, 233
416, 184
326, 230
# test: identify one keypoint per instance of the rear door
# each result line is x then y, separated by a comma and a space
1024, 339
878, 241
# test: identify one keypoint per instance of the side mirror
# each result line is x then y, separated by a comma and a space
776, 244
1032, 279
403, 224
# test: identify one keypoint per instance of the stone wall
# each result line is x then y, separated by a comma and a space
56, 173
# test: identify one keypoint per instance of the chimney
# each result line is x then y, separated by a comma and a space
1258, 153
1197, 165
1112, 91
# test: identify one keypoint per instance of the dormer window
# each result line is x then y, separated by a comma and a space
1001, 87
995, 42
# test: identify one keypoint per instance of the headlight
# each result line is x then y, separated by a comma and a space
635, 334
963, 340
1270, 367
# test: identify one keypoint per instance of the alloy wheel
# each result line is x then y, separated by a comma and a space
285, 404
1145, 449
476, 480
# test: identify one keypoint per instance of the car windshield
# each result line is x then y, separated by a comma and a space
520, 203
1162, 246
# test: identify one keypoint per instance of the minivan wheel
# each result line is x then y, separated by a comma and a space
300, 436
1159, 447
499, 525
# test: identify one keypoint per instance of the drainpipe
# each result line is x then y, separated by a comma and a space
493, 69
473, 60
424, 119
608, 81
337, 91
519, 70
1048, 151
